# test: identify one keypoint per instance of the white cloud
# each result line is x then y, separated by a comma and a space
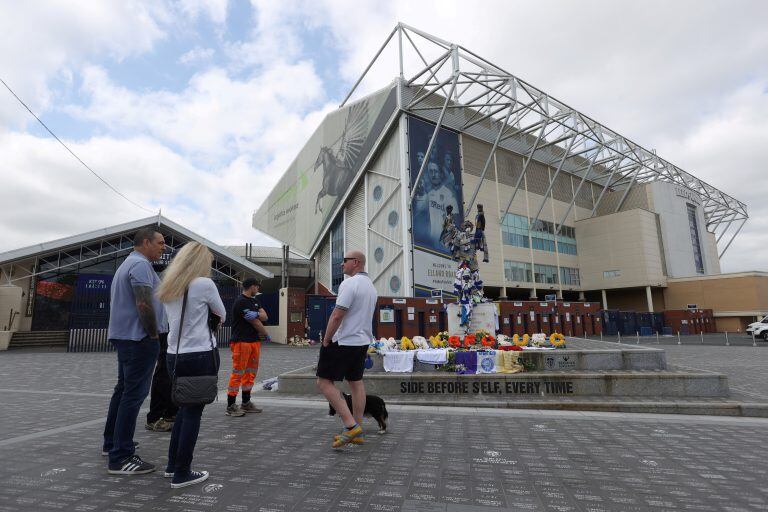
276, 36
216, 117
53, 196
216, 10
197, 56
47, 42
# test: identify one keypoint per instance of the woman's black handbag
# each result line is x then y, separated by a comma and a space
213, 321
193, 390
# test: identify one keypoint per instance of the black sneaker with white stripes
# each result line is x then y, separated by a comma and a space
133, 465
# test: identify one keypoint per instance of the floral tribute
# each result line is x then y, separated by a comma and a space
300, 341
481, 341
480, 353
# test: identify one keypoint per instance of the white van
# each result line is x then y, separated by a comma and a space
759, 328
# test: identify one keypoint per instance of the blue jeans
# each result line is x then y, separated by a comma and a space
135, 362
187, 424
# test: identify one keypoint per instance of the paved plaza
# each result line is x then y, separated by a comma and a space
433, 458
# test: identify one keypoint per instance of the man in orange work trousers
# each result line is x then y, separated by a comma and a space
248, 319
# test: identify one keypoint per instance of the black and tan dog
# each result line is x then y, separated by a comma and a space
374, 408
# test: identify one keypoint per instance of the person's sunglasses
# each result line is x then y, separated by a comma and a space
347, 259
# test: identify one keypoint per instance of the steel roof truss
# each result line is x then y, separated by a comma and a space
529, 106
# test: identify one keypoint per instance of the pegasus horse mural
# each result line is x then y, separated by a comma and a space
338, 159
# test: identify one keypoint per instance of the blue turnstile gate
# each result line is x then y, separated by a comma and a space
319, 308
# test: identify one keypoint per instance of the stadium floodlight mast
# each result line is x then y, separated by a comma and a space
456, 88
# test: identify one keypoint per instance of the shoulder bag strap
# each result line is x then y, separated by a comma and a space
181, 324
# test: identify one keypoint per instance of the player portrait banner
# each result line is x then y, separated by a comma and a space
299, 206
439, 186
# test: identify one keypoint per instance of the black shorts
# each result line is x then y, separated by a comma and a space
340, 362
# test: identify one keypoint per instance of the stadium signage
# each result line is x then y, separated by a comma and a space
688, 194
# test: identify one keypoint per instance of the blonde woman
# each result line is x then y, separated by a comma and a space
191, 347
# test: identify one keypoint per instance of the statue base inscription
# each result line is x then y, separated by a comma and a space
483, 318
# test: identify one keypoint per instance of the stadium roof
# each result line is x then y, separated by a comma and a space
456, 88
80, 248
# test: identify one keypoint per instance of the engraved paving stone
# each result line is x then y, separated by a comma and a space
441, 459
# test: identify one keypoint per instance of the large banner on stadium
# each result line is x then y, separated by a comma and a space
299, 206
438, 187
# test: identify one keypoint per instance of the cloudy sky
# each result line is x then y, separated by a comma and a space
196, 107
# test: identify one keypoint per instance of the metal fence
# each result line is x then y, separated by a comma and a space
95, 340
89, 340
678, 338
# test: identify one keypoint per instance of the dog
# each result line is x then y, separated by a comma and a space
374, 408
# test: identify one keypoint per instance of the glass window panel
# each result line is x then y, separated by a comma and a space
337, 254
698, 260
546, 274
517, 271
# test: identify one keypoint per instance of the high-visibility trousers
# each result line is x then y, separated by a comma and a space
245, 365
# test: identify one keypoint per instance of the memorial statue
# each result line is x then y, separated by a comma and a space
463, 245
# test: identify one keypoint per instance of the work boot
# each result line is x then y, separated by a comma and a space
234, 410
161, 425
249, 407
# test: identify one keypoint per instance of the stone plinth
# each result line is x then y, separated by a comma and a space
483, 318
661, 383
590, 359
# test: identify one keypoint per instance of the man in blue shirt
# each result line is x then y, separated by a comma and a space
134, 317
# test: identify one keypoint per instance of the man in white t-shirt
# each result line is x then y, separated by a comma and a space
434, 204
345, 346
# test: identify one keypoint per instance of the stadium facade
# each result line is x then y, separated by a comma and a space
62, 287
572, 207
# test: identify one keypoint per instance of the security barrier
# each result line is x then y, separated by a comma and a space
95, 340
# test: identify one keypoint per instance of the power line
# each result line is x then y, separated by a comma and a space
72, 152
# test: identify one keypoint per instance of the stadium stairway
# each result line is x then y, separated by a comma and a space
25, 339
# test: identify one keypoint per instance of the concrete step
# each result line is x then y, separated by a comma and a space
692, 406
22, 339
520, 386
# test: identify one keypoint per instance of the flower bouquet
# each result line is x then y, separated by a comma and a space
298, 341
539, 340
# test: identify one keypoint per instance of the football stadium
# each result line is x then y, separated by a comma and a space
573, 209
586, 231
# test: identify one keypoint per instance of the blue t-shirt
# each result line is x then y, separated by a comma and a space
124, 322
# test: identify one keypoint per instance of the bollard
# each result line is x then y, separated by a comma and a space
754, 343
702, 337
657, 337
678, 338
637, 333
727, 343
619, 335
601, 335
